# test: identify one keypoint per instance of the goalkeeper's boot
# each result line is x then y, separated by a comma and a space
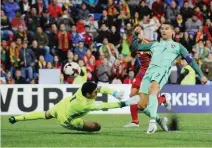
167, 104
131, 124
152, 127
163, 123
12, 120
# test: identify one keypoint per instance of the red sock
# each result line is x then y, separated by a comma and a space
134, 113
161, 100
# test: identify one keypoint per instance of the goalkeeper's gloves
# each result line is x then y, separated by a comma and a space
118, 94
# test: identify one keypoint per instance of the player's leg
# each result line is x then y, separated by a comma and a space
31, 116
82, 125
133, 110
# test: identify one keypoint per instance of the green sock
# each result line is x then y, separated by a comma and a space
147, 112
153, 106
31, 116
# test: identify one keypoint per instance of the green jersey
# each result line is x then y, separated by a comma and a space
164, 53
77, 106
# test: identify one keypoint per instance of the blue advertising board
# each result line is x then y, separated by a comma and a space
188, 99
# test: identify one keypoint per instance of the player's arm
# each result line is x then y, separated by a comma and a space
192, 63
103, 105
136, 45
106, 90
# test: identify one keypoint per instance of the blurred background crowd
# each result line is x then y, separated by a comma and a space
46, 34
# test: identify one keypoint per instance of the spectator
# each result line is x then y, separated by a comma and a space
54, 9
6, 32
91, 69
63, 42
207, 68
32, 20
17, 21
56, 63
201, 50
93, 25
143, 9
130, 78
193, 24
205, 11
83, 13
28, 60
186, 11
41, 62
3, 76
49, 65
21, 33
124, 46
80, 50
75, 36
200, 34
66, 20
178, 2
108, 48
198, 14
14, 56
87, 57
76, 58
126, 10
179, 22
105, 19
103, 33
172, 12
53, 37
80, 26
114, 36
42, 38
122, 20
46, 21
24, 7
39, 6
104, 72
185, 41
158, 9
91, 5
88, 38
38, 51
187, 75
10, 8
111, 8
19, 79
136, 19
150, 27
5, 55
47, 56
10, 78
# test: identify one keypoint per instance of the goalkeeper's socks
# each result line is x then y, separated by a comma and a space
31, 116
147, 112
161, 99
153, 105
132, 101
134, 113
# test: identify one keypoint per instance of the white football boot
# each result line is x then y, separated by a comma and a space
152, 127
131, 124
163, 123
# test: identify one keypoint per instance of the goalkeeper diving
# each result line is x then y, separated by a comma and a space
70, 109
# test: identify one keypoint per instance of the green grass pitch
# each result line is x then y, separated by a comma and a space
195, 130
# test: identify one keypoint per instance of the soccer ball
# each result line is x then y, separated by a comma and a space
72, 69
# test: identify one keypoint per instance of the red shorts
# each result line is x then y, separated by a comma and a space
138, 78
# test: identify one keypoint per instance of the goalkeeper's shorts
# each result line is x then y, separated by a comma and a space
74, 124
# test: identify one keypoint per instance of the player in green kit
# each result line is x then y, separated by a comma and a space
164, 54
70, 109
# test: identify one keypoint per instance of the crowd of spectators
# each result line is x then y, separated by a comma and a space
46, 34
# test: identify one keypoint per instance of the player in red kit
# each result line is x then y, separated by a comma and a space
144, 58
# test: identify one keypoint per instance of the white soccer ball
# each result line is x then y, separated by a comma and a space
72, 69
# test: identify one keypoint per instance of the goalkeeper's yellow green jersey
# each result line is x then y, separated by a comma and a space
77, 106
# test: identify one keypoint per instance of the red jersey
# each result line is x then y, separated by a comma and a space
144, 58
